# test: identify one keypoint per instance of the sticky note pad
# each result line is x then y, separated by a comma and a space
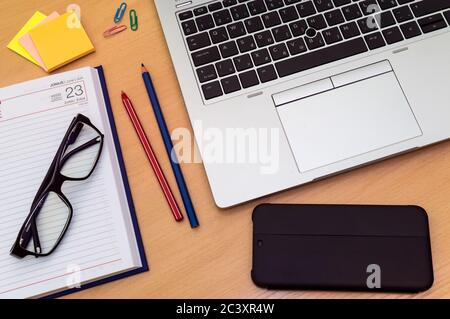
61, 41
15, 46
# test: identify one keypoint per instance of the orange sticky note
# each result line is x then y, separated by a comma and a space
61, 41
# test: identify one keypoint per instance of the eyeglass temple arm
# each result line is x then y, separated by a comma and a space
73, 136
80, 148
32, 231
36, 241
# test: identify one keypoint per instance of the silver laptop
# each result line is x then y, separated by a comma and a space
285, 92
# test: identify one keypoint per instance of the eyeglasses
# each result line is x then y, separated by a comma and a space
51, 211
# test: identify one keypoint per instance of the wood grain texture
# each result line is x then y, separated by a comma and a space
214, 261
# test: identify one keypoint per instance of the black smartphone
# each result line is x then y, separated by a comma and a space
342, 247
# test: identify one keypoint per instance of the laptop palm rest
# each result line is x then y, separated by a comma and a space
345, 115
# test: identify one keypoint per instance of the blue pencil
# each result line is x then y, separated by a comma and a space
190, 211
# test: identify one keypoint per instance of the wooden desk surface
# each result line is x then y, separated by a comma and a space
214, 261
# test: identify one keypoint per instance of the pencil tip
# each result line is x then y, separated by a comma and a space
142, 64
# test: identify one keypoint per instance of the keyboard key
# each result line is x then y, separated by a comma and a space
400, 2
278, 51
200, 11
256, 7
350, 30
240, 12
274, 4
215, 6
222, 17
228, 3
249, 79
385, 19
352, 12
298, 28
267, 73
332, 35
225, 67
212, 90
198, 41
340, 3
254, 24
387, 4
228, 49
264, 39
369, 6
296, 46
218, 35
427, 7
205, 22
288, 2
367, 24
315, 42
206, 73
243, 62
410, 29
306, 9
375, 40
320, 57
392, 35
271, 19
230, 84
189, 27
236, 29
334, 17
246, 44
206, 56
288, 14
432, 23
317, 22
447, 16
403, 14
281, 33
185, 15
323, 5
261, 57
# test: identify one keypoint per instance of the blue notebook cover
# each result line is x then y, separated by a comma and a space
137, 232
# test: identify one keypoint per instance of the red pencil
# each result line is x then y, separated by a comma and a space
152, 158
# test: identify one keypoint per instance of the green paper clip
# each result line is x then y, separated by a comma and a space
120, 12
133, 20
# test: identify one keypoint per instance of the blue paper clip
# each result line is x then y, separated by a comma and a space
120, 12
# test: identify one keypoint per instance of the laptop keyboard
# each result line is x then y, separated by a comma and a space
239, 44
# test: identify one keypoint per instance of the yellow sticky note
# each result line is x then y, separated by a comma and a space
61, 41
15, 46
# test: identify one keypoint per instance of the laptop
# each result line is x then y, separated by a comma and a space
285, 92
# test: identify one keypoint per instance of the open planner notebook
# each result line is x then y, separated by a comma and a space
102, 242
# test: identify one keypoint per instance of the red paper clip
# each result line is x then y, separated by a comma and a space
114, 30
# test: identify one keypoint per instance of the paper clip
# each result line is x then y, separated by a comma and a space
133, 20
120, 12
114, 30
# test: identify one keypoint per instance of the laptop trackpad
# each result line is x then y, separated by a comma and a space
349, 117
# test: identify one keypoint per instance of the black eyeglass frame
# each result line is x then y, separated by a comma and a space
53, 183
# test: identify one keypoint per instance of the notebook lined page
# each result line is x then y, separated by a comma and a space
34, 117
